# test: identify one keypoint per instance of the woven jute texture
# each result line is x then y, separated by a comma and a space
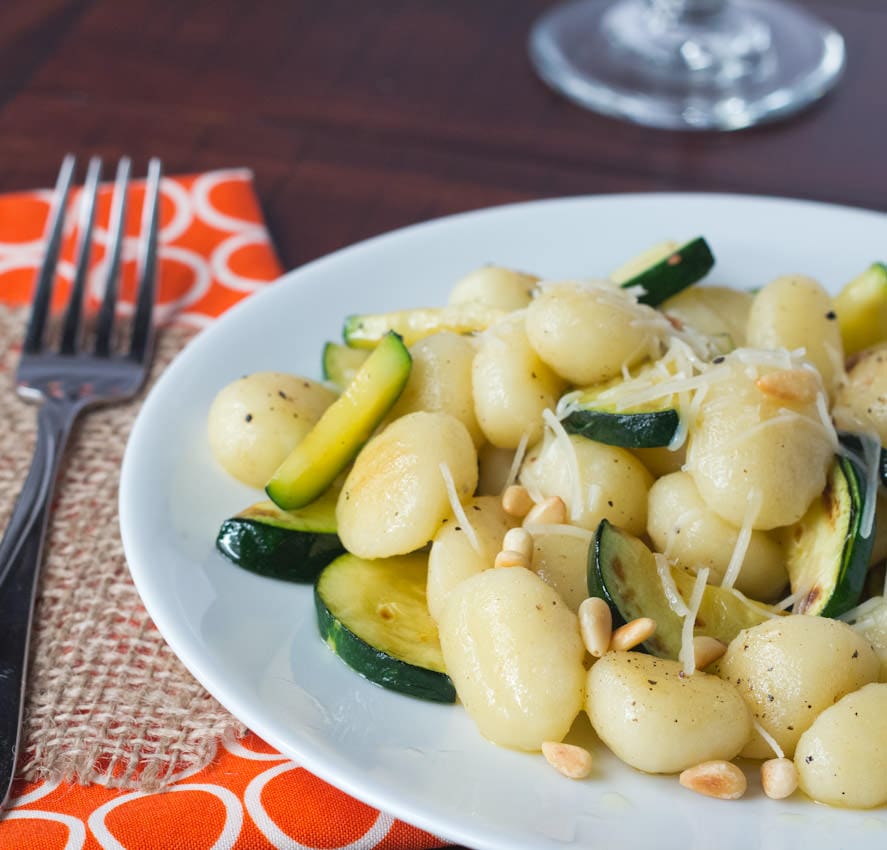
107, 701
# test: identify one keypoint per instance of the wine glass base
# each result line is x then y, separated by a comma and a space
756, 61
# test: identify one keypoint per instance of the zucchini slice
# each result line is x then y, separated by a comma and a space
344, 427
827, 556
669, 274
622, 571
366, 330
374, 616
862, 309
289, 545
340, 363
597, 413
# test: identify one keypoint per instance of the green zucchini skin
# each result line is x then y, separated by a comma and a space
622, 572
684, 267
628, 429
281, 544
828, 556
339, 363
350, 587
345, 426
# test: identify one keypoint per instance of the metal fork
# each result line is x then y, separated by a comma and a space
66, 380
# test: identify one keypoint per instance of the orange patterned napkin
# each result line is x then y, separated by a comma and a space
215, 250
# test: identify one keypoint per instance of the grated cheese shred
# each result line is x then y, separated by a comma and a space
519, 454
569, 450
458, 510
687, 656
672, 596
755, 499
771, 741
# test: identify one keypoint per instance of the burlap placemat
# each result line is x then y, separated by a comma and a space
107, 699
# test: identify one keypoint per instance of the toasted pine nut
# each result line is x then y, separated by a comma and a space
779, 778
595, 625
550, 511
519, 540
721, 779
632, 633
707, 650
572, 761
516, 500
510, 559
790, 385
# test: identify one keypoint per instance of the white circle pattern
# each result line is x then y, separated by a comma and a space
252, 799
221, 258
76, 829
203, 206
229, 834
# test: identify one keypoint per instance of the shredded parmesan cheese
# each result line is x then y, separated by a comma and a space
458, 510
771, 741
569, 450
761, 609
869, 463
672, 596
687, 655
518, 459
871, 448
753, 508
791, 600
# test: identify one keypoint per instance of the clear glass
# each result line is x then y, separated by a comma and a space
687, 64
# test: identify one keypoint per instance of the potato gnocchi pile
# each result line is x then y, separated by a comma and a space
653, 502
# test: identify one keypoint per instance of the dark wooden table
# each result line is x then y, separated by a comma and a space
359, 117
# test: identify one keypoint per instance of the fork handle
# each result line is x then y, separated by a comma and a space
19, 568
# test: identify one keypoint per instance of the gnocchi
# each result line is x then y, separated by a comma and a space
255, 422
480, 475
790, 669
513, 650
842, 758
660, 721
395, 497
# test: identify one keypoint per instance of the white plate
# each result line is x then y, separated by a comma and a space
252, 641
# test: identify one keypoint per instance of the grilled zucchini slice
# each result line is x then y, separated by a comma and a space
344, 427
669, 270
828, 551
622, 572
289, 545
373, 615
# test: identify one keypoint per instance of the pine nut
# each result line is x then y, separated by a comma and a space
595, 625
511, 559
720, 779
799, 385
572, 761
551, 511
631, 634
779, 778
517, 501
519, 540
707, 650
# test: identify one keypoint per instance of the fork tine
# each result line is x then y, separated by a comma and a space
54, 229
116, 235
71, 327
143, 325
